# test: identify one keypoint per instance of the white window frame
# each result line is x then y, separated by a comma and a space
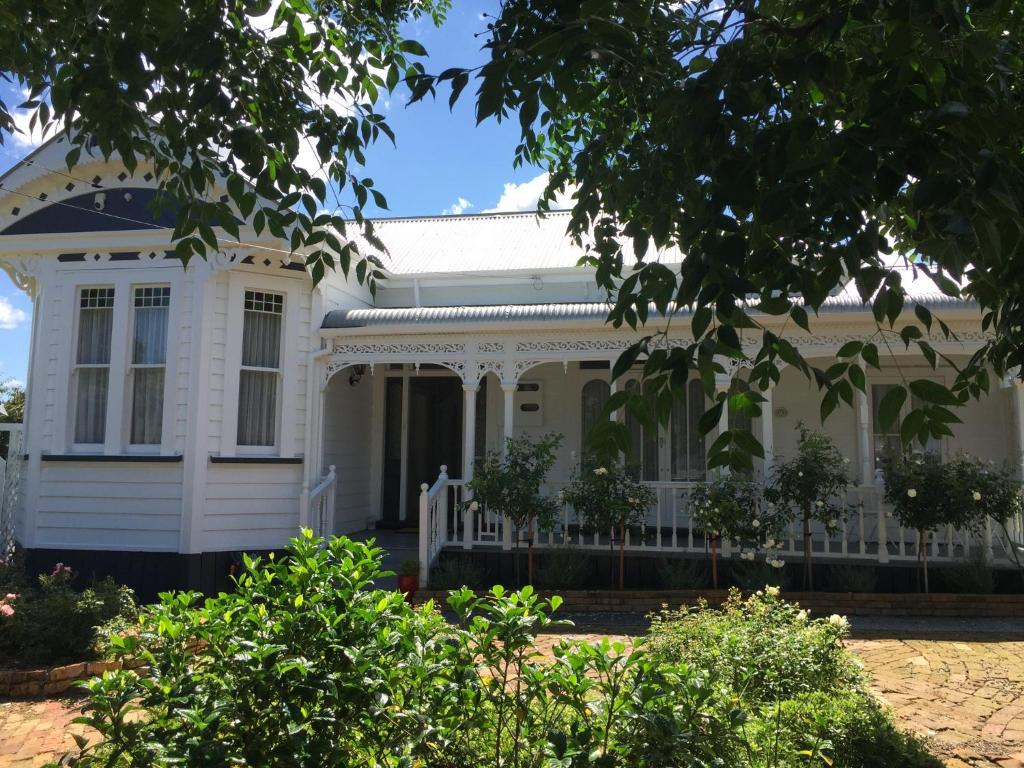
664, 440
72, 411
146, 448
887, 380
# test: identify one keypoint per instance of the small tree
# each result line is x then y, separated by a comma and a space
510, 484
808, 484
733, 508
608, 499
927, 493
996, 493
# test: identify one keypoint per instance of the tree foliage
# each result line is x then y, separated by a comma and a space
785, 149
222, 98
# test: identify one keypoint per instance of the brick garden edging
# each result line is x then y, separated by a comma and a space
845, 603
29, 683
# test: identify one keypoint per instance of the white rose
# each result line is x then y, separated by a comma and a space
801, 615
756, 523
912, 493
776, 563
976, 495
819, 504
600, 471
838, 621
846, 461
770, 543
799, 474
474, 506
771, 591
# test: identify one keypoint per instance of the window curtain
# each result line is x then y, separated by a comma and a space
593, 399
257, 407
261, 340
257, 389
149, 348
644, 452
95, 325
91, 405
688, 459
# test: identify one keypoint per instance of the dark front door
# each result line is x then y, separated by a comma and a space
434, 436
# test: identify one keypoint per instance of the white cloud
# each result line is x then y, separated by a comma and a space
10, 316
24, 137
524, 197
459, 206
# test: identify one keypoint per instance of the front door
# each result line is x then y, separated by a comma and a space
432, 436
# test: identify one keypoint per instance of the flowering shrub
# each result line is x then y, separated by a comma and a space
509, 484
305, 664
608, 499
812, 485
927, 493
54, 623
732, 508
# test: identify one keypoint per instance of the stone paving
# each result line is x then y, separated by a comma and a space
965, 696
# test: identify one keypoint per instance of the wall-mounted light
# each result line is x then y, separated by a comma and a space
357, 375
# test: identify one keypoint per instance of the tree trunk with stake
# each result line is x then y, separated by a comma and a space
714, 562
529, 551
808, 568
922, 556
622, 555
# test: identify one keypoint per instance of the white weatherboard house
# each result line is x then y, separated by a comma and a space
176, 417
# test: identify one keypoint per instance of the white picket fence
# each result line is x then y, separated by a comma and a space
867, 533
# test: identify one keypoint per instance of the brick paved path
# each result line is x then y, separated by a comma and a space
966, 697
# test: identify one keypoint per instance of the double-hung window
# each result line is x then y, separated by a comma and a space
92, 364
259, 378
149, 360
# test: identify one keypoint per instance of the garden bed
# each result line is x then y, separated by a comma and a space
844, 603
52, 681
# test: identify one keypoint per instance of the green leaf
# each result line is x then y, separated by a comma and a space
890, 406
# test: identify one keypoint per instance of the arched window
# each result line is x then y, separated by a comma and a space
740, 421
688, 458
643, 458
593, 399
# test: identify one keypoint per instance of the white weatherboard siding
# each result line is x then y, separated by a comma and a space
109, 506
250, 506
348, 427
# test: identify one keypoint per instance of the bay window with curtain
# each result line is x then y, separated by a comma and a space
148, 363
92, 364
259, 378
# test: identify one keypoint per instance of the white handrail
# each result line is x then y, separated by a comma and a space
320, 503
433, 522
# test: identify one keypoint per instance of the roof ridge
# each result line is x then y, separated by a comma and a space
471, 216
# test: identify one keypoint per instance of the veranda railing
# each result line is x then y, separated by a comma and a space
867, 532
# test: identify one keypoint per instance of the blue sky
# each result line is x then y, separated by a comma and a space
443, 162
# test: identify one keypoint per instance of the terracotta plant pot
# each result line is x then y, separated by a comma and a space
408, 586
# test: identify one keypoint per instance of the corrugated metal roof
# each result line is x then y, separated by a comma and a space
477, 243
561, 313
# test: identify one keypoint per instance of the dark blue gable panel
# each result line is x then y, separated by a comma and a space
118, 209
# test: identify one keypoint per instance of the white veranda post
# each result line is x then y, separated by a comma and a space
508, 390
469, 391
768, 433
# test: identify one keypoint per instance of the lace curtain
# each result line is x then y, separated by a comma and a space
95, 325
258, 379
149, 356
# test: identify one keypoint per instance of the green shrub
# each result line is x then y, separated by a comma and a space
848, 729
683, 573
972, 575
53, 623
304, 665
764, 647
564, 568
752, 575
846, 577
454, 572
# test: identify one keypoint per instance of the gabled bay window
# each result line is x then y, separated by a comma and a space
92, 364
260, 374
148, 363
